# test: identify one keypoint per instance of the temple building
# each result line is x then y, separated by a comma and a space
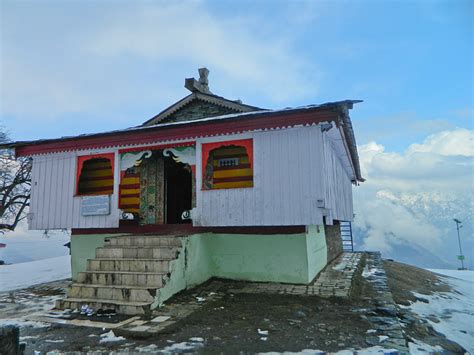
209, 187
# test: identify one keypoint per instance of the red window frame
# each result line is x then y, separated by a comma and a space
80, 163
206, 148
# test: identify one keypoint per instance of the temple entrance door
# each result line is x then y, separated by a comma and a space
178, 191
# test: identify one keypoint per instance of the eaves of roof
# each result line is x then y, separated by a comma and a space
218, 125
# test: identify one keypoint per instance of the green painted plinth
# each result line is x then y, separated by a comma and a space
284, 258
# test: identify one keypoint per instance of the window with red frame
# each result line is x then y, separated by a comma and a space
95, 175
227, 165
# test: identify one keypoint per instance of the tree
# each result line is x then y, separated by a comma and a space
15, 187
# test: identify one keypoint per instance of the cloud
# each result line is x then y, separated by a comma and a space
447, 143
235, 47
104, 59
410, 198
442, 161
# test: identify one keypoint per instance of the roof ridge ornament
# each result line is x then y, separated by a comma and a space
201, 85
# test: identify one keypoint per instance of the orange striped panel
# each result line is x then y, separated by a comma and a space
130, 193
228, 176
96, 178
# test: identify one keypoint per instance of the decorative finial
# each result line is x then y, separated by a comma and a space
202, 85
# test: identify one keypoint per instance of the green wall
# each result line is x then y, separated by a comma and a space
83, 248
285, 258
316, 250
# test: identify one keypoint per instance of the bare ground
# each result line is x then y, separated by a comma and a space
293, 322
405, 279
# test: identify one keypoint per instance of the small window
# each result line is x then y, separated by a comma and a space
95, 175
227, 165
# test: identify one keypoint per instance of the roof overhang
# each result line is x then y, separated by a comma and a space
190, 130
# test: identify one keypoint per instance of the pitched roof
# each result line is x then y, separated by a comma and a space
234, 105
225, 124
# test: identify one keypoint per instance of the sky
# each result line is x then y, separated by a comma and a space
72, 67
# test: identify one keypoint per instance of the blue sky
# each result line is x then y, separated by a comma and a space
110, 65
71, 67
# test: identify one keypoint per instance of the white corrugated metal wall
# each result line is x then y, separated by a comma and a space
53, 204
338, 186
293, 169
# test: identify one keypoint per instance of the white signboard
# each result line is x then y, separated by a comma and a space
95, 205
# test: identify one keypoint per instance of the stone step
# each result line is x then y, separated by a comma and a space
135, 265
144, 241
160, 252
121, 307
113, 293
150, 279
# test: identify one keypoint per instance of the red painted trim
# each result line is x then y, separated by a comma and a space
177, 132
83, 158
128, 227
158, 147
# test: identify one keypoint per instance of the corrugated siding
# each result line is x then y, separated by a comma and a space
288, 181
293, 169
338, 191
53, 204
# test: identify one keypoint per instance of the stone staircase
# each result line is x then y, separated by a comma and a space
125, 274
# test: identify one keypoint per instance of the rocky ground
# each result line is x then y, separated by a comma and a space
249, 323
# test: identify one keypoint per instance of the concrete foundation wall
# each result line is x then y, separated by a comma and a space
317, 250
333, 241
83, 248
286, 258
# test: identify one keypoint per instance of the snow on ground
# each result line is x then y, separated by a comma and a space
367, 351
16, 276
454, 310
25, 245
418, 347
466, 275
110, 337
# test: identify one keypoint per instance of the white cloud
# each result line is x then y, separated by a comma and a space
411, 198
109, 59
448, 143
236, 47
443, 161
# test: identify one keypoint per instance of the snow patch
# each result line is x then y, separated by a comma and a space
197, 339
22, 323
182, 346
418, 347
368, 351
368, 272
110, 337
17, 276
454, 310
